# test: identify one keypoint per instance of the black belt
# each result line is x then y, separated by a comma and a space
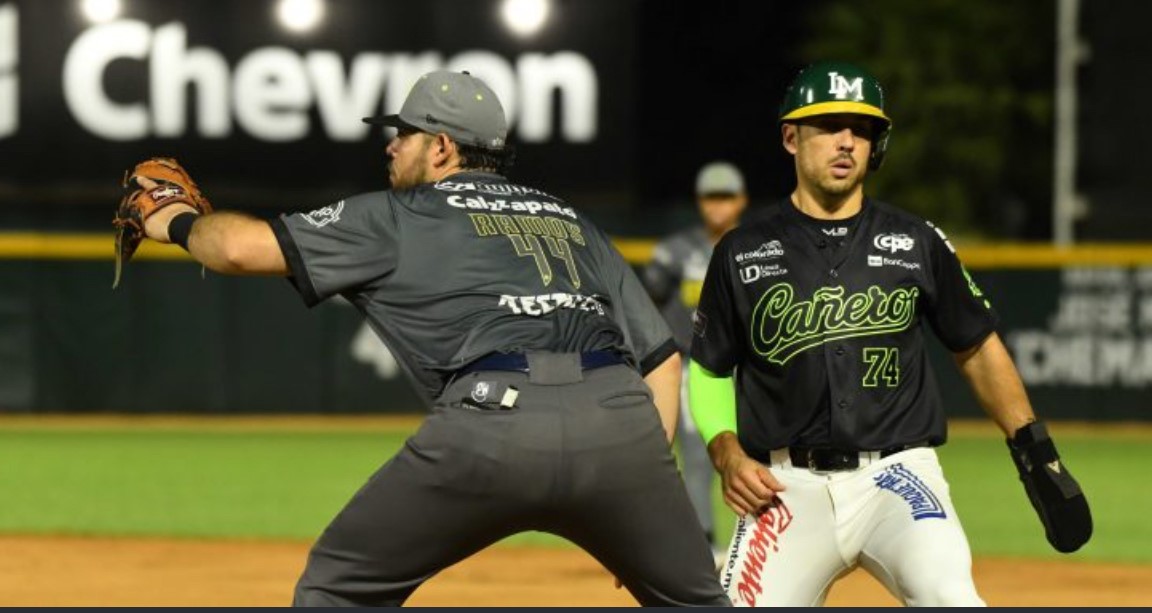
828, 459
518, 362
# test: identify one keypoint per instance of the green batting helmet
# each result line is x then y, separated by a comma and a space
827, 88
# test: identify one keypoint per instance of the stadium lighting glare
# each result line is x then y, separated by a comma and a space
525, 17
300, 15
99, 11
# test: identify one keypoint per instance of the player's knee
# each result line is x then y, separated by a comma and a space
945, 592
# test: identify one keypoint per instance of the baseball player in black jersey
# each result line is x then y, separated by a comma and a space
811, 384
554, 382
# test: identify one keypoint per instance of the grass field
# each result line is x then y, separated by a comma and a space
242, 479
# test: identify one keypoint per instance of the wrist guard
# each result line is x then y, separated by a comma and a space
1053, 492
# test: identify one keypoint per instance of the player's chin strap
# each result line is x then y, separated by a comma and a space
1053, 491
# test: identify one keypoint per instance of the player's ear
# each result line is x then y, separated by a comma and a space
789, 133
443, 148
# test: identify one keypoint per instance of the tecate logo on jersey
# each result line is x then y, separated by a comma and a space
767, 251
544, 304
893, 242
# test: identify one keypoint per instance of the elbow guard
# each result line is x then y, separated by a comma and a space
712, 402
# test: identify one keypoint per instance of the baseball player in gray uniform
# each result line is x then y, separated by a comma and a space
553, 380
674, 278
815, 391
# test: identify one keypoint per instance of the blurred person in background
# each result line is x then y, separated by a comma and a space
674, 278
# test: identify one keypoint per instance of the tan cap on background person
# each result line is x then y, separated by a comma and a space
719, 178
455, 103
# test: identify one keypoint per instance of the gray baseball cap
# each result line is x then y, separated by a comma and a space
455, 103
719, 178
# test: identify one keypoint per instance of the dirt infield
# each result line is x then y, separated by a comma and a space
43, 571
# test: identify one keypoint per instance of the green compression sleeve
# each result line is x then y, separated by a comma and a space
712, 400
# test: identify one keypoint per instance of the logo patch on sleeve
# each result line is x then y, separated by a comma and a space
699, 323
324, 216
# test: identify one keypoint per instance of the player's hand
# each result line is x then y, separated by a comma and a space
748, 486
156, 225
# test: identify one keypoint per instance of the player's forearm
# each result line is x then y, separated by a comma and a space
994, 380
234, 243
712, 400
227, 242
664, 381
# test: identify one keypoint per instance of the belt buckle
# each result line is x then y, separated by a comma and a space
835, 461
810, 456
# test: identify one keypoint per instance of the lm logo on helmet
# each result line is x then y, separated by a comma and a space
844, 89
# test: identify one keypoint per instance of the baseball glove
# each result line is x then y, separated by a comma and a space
173, 185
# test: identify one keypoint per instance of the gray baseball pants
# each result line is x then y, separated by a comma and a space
581, 455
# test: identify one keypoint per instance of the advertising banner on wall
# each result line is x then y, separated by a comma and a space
1081, 337
263, 99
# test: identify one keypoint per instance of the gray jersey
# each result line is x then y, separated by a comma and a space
675, 276
446, 273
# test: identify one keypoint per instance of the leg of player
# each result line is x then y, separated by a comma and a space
918, 549
436, 502
621, 498
789, 555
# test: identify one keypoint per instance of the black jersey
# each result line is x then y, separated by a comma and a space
448, 272
821, 322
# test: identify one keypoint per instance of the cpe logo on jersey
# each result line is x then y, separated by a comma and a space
893, 242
